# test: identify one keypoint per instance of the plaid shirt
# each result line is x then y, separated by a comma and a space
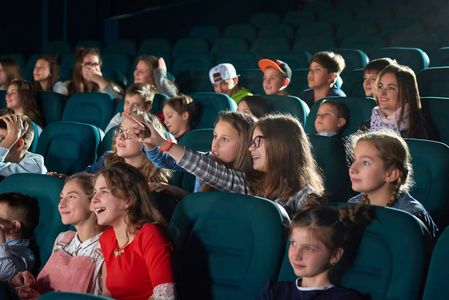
233, 181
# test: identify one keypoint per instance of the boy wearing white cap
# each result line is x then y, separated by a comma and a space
277, 76
224, 79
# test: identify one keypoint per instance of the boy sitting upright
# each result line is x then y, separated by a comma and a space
16, 136
224, 79
276, 77
19, 215
332, 118
324, 69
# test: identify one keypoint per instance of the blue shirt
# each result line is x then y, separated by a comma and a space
308, 95
15, 256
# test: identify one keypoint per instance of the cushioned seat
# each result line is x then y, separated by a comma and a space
209, 105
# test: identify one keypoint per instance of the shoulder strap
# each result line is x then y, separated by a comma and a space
67, 238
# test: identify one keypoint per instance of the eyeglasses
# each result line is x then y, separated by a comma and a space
122, 133
89, 64
256, 141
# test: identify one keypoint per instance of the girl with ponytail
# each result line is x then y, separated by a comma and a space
381, 171
319, 236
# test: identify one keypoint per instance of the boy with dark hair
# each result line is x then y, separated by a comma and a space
370, 72
277, 76
324, 69
19, 216
16, 136
332, 118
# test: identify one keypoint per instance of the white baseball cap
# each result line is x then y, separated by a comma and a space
226, 71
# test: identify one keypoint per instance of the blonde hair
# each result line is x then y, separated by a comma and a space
393, 151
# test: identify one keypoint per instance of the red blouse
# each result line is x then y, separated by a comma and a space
145, 263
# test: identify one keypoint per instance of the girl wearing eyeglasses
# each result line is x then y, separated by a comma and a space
283, 167
87, 76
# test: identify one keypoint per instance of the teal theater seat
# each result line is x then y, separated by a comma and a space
353, 83
360, 110
391, 262
288, 104
251, 79
227, 246
240, 60
435, 111
93, 108
122, 46
46, 189
193, 81
436, 283
190, 45
51, 104
193, 61
210, 33
433, 82
274, 30
59, 47
106, 143
354, 59
229, 45
244, 30
2, 99
415, 58
266, 46
154, 46
92, 43
209, 105
71, 296
430, 161
265, 18
68, 147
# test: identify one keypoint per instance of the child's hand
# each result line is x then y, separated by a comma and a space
169, 189
145, 133
161, 64
24, 278
63, 176
27, 293
15, 129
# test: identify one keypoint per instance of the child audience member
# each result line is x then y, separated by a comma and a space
152, 70
20, 100
87, 76
46, 73
224, 78
332, 118
229, 147
276, 139
72, 251
277, 75
126, 148
324, 69
179, 113
319, 236
16, 136
381, 171
253, 105
137, 250
19, 215
398, 104
370, 72
9, 71
137, 96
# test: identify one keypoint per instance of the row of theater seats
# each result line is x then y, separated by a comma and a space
228, 253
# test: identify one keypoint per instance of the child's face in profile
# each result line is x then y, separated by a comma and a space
5, 223
327, 119
309, 257
318, 76
369, 80
273, 81
244, 108
12, 98
134, 102
177, 124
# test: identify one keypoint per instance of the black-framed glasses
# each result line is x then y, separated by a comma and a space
122, 133
256, 141
89, 64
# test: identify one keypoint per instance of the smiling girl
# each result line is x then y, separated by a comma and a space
381, 171
137, 251
71, 247
319, 236
179, 112
46, 73
283, 166
398, 104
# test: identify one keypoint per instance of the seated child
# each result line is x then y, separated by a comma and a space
16, 136
224, 78
19, 215
277, 76
179, 113
370, 72
253, 105
331, 118
324, 69
137, 96
319, 236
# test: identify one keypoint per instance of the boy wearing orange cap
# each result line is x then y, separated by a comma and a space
277, 76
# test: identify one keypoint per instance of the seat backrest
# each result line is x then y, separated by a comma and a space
3, 99
415, 58
68, 147
192, 61
436, 283
59, 47
299, 82
51, 104
93, 43
440, 57
435, 111
226, 45
294, 59
274, 30
119, 62
433, 82
251, 79
265, 46
190, 45
71, 296
210, 33
354, 59
46, 189
93, 108
353, 83
330, 156
106, 143
209, 105
240, 60
121, 46
360, 109
383, 267
315, 43
244, 30
155, 45
288, 104
194, 81
265, 18
227, 246
430, 161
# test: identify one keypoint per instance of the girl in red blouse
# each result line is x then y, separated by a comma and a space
137, 251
